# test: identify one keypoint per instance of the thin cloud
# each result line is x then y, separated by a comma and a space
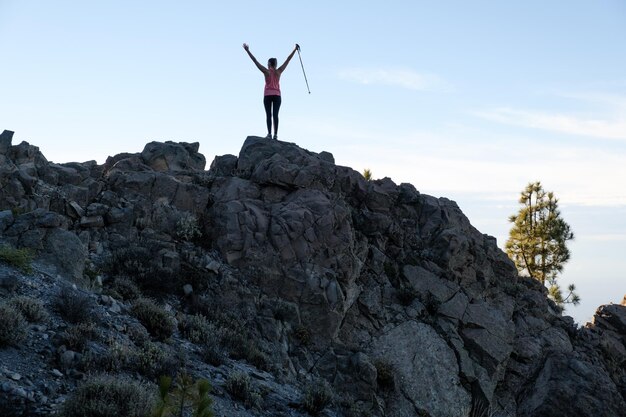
608, 128
398, 77
477, 163
612, 237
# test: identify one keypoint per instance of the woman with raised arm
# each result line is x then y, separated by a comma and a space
271, 99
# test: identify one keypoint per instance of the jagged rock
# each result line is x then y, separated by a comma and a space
5, 141
327, 273
74, 210
170, 156
568, 386
65, 250
224, 165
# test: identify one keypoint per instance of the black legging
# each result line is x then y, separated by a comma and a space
272, 105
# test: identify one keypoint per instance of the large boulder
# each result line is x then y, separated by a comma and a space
171, 156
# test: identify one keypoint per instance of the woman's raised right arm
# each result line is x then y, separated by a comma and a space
258, 65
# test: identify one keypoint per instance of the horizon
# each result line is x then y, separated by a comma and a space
467, 102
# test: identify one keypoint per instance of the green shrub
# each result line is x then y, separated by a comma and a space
257, 357
76, 336
91, 271
119, 356
187, 227
302, 334
159, 323
241, 346
73, 306
18, 258
196, 328
109, 396
317, 397
13, 325
212, 351
138, 334
124, 288
32, 309
241, 388
139, 264
153, 360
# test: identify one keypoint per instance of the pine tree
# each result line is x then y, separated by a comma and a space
185, 397
538, 241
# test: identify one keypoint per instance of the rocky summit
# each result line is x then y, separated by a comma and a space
293, 285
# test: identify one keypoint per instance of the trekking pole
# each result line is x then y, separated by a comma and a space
300, 56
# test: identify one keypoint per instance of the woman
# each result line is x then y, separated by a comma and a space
271, 99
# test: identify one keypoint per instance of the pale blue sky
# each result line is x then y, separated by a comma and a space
467, 100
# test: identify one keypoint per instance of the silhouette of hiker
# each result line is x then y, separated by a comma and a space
271, 99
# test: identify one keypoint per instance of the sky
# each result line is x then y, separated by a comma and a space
465, 100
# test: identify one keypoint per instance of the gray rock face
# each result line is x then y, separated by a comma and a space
331, 274
569, 386
5, 141
420, 354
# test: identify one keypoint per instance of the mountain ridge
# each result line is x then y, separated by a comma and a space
336, 278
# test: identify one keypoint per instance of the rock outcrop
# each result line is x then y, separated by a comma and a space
389, 295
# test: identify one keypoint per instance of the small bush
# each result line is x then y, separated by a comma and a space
18, 258
138, 263
138, 334
109, 396
73, 306
218, 315
385, 374
160, 323
13, 325
91, 271
317, 397
32, 309
241, 388
258, 358
124, 288
77, 336
196, 328
118, 356
187, 227
153, 360
212, 351
302, 334
242, 346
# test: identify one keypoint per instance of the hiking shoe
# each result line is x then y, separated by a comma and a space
275, 137
269, 136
